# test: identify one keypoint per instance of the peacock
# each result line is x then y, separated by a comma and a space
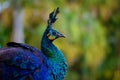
19, 61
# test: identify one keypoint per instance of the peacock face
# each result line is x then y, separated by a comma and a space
53, 34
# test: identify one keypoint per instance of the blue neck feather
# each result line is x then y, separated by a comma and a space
51, 51
56, 60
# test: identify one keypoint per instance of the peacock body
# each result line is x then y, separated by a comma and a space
19, 61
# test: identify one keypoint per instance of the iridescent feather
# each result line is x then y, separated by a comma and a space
19, 61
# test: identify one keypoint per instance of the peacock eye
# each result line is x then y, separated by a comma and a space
54, 33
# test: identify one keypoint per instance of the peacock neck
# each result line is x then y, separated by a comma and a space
50, 50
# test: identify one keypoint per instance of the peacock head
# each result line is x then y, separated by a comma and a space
50, 32
53, 34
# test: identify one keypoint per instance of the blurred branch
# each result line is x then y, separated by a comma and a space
18, 26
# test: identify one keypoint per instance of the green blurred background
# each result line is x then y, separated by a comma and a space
92, 27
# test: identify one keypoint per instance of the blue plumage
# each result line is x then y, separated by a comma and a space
19, 61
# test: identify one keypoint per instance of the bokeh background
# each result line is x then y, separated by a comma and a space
92, 27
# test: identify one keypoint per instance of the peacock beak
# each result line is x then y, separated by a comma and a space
61, 35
